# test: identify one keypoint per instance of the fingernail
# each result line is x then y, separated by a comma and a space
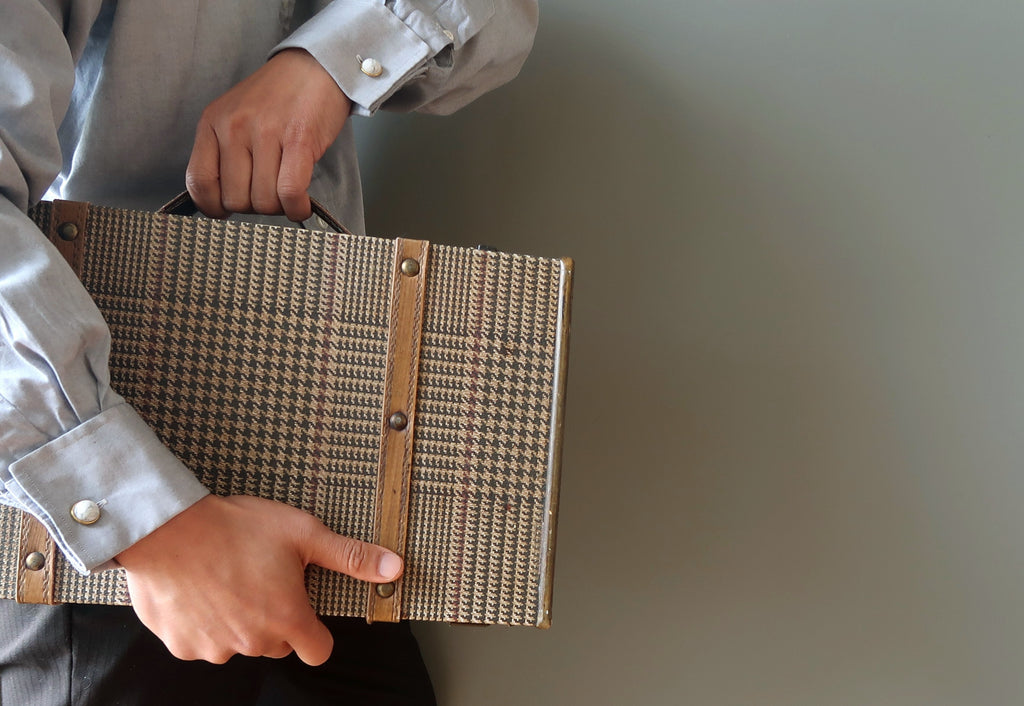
390, 565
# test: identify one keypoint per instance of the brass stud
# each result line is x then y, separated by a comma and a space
35, 561
397, 421
410, 267
67, 231
385, 590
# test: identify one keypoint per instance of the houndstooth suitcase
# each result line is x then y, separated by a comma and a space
406, 393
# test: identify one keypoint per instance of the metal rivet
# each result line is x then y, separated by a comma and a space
410, 268
385, 590
397, 421
67, 231
35, 561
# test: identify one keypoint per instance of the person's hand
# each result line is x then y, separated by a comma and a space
256, 145
226, 577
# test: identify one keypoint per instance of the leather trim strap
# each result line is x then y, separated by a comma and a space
409, 275
69, 221
35, 563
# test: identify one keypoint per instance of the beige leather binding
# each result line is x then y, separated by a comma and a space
409, 274
67, 231
35, 584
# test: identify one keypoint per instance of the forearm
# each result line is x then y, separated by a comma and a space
65, 435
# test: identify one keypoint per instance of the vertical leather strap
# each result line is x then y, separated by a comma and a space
409, 275
68, 223
36, 552
35, 563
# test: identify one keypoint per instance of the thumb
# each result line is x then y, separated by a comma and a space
360, 560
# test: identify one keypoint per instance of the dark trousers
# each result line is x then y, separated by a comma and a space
103, 656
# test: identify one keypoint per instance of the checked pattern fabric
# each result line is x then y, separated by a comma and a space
258, 355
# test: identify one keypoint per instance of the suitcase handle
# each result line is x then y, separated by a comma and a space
183, 205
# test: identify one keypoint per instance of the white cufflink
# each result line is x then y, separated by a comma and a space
370, 67
86, 512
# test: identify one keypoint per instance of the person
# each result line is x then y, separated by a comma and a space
249, 101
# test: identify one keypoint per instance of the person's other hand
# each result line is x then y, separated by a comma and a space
256, 145
226, 577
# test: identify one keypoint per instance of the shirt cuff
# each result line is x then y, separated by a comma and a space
344, 34
116, 461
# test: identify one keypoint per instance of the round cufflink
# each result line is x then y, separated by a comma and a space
85, 512
370, 67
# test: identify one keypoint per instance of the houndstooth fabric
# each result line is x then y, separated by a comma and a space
258, 354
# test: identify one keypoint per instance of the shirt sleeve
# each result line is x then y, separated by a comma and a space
424, 55
65, 435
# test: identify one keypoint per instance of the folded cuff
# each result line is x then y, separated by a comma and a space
344, 34
116, 461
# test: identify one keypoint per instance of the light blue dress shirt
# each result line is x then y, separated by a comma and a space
99, 101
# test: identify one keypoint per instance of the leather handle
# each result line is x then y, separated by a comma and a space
183, 205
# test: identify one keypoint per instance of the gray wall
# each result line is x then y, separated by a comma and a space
793, 468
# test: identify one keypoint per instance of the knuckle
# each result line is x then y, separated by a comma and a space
235, 124
293, 197
249, 646
200, 180
307, 528
265, 131
206, 122
181, 650
211, 113
354, 556
235, 204
293, 618
264, 204
289, 189
297, 134
279, 652
219, 656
